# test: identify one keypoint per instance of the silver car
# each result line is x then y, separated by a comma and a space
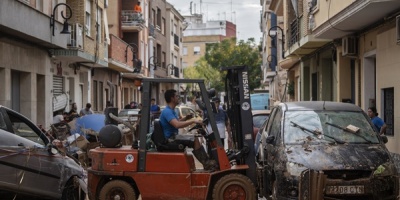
31, 166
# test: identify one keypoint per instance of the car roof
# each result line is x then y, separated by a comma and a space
260, 112
320, 105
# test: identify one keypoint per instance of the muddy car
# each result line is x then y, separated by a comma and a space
31, 166
325, 150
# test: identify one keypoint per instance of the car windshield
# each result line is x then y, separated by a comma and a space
258, 120
333, 126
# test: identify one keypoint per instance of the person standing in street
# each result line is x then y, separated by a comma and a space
86, 110
379, 124
222, 120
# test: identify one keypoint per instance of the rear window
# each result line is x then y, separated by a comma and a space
258, 120
259, 101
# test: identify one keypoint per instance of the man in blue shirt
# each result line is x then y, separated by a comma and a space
377, 121
170, 124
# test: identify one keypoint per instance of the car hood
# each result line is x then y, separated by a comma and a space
330, 157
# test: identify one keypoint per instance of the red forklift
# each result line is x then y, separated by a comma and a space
125, 172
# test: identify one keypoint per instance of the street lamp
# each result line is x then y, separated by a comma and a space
172, 66
155, 64
65, 26
272, 34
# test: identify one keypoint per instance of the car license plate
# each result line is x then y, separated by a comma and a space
351, 189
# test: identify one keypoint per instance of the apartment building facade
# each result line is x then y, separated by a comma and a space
44, 70
344, 52
199, 33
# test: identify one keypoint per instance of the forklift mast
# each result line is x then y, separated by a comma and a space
240, 115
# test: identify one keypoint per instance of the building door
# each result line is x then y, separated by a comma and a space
15, 90
314, 86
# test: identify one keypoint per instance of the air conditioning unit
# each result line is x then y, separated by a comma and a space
398, 29
349, 46
76, 37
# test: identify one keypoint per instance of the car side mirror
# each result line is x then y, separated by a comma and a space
384, 139
270, 139
52, 149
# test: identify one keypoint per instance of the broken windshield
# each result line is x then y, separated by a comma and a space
319, 121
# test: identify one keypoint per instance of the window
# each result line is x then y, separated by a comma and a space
184, 51
196, 50
153, 17
94, 104
98, 23
388, 110
88, 8
163, 26
159, 17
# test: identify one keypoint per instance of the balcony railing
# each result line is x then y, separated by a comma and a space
294, 32
176, 40
131, 20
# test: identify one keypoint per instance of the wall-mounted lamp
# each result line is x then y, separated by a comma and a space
65, 26
172, 66
137, 63
155, 64
272, 34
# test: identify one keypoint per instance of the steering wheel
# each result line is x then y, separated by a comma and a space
198, 126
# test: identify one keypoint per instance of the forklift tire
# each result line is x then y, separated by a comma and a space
117, 189
234, 186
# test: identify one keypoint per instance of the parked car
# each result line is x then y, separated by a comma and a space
130, 115
325, 150
260, 117
31, 166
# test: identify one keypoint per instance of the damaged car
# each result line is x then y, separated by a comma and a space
31, 166
325, 150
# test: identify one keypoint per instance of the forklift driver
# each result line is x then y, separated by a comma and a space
170, 124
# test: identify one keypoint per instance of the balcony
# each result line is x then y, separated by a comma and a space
131, 21
294, 32
151, 31
300, 42
120, 55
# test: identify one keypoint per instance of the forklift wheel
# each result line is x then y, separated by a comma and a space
234, 186
117, 189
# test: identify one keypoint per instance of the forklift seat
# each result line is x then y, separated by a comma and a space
177, 145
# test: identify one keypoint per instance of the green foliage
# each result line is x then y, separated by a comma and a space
228, 53
202, 70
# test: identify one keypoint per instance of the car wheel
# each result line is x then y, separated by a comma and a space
234, 186
72, 191
117, 189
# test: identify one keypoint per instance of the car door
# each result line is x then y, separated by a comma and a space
42, 171
11, 172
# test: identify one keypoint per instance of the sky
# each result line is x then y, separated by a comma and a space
244, 13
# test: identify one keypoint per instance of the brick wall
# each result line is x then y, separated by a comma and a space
117, 51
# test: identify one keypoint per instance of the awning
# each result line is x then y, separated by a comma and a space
355, 17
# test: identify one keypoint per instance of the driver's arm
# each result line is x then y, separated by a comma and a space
183, 124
